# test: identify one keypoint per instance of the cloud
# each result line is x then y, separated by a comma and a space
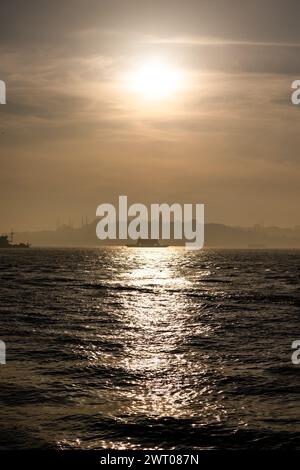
69, 125
258, 20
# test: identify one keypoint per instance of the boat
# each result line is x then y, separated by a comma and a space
147, 243
5, 243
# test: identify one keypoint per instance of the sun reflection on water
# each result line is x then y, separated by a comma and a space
150, 352
157, 354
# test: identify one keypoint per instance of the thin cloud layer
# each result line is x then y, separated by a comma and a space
75, 134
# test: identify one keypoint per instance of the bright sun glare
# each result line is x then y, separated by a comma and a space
155, 80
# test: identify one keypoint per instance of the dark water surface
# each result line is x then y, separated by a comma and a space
149, 348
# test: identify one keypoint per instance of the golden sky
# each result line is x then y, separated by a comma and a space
82, 126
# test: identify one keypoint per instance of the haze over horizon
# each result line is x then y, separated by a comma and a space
75, 133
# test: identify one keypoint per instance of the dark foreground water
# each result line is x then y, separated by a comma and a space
149, 348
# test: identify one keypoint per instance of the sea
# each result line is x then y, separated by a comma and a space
149, 348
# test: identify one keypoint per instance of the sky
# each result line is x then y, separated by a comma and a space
74, 134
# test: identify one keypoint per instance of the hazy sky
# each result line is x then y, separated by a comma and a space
74, 135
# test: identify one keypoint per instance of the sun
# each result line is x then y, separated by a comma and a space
155, 80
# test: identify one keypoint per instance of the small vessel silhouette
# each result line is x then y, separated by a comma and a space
5, 243
147, 243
